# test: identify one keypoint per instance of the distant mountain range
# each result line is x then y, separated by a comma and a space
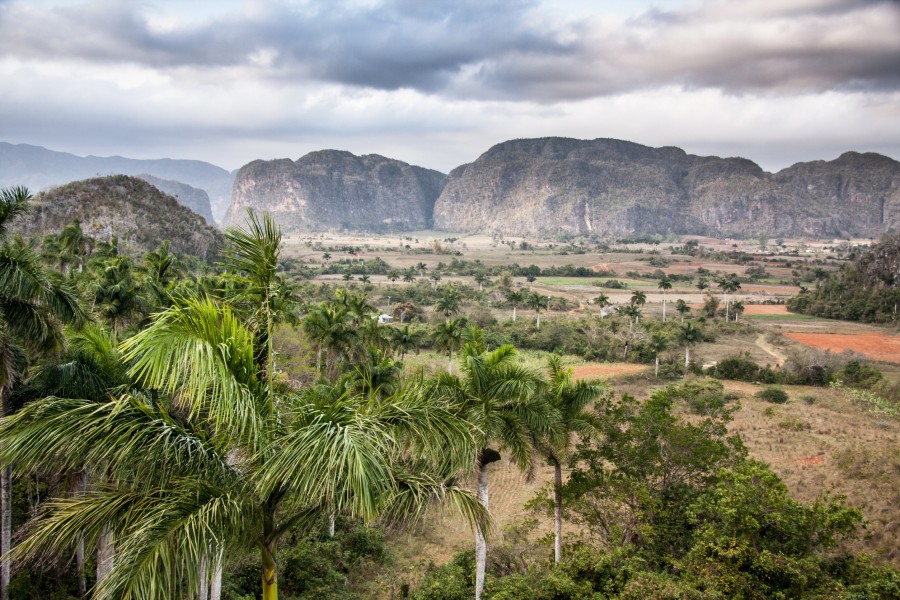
38, 168
531, 187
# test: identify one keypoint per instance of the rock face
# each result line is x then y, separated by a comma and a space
194, 198
334, 190
136, 212
38, 168
605, 187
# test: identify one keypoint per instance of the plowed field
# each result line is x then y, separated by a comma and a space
607, 370
877, 346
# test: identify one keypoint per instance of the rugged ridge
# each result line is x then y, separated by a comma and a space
194, 198
129, 208
333, 189
38, 168
608, 187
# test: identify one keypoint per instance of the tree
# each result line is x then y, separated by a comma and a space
638, 298
569, 400
33, 305
481, 278
409, 275
499, 399
664, 284
602, 301
331, 328
659, 343
447, 337
689, 334
448, 302
220, 458
738, 309
682, 307
393, 275
514, 297
536, 303
702, 284
117, 295
404, 339
729, 285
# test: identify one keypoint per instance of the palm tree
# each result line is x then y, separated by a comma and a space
331, 328
569, 401
638, 298
219, 458
689, 334
117, 295
33, 305
515, 298
403, 339
738, 309
481, 278
448, 337
499, 399
659, 343
409, 275
729, 285
536, 302
664, 284
602, 301
702, 284
682, 307
448, 303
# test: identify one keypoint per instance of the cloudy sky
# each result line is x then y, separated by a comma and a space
437, 82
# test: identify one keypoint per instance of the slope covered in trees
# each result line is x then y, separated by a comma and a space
867, 289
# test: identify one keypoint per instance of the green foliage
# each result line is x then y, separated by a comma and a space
773, 395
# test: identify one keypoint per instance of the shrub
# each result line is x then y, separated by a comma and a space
773, 395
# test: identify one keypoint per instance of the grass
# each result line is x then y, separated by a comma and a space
783, 317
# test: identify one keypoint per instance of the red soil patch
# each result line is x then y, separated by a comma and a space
765, 309
811, 460
877, 346
600, 267
607, 370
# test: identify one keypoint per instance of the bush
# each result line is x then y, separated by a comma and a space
773, 395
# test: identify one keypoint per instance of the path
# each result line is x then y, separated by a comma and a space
770, 349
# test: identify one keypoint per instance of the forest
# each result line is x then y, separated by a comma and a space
180, 428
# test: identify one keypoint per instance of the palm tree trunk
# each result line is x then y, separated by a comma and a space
269, 572
538, 321
480, 543
79, 549
557, 510
656, 370
687, 356
106, 549
5, 527
203, 588
5, 513
331, 525
514, 313
664, 307
450, 363
215, 585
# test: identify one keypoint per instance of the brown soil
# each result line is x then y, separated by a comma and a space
877, 346
765, 309
608, 370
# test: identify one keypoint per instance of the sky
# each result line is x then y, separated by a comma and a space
438, 82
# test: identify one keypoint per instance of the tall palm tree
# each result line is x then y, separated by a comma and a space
659, 343
536, 302
729, 285
448, 302
117, 296
569, 400
500, 401
515, 298
404, 339
689, 334
448, 337
682, 307
638, 298
664, 284
331, 328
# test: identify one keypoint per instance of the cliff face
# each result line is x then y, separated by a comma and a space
611, 187
332, 189
136, 212
194, 198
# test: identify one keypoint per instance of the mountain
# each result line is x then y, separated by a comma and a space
194, 198
332, 189
135, 211
606, 187
38, 168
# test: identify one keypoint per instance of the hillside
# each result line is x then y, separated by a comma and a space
194, 198
335, 190
606, 187
38, 168
130, 208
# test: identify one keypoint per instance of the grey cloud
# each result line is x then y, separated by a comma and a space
497, 49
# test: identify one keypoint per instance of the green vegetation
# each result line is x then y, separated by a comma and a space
867, 289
